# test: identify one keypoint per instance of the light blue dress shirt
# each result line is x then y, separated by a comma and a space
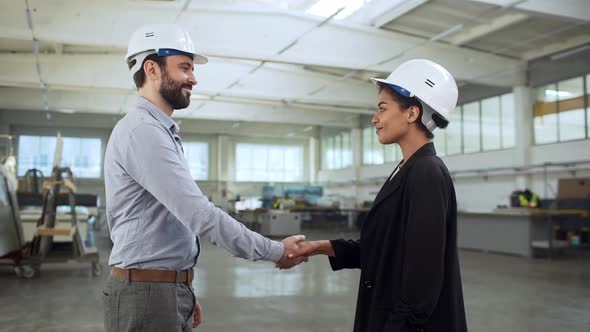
156, 212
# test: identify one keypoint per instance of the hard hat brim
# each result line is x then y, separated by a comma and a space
378, 81
401, 90
200, 59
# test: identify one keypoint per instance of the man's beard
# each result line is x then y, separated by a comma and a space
171, 91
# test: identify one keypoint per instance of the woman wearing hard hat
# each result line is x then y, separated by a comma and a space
407, 251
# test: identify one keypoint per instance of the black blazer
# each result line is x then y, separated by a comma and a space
407, 253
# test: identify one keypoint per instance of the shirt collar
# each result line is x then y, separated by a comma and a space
158, 114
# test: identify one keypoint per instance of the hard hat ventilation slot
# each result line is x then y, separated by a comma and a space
429, 83
149, 34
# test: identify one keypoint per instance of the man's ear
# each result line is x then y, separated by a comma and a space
413, 114
152, 70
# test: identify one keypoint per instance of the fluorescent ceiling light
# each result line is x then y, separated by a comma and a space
66, 110
447, 33
326, 8
558, 93
308, 128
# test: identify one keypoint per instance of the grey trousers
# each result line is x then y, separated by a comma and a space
147, 306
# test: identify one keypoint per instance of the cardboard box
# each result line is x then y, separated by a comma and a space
573, 188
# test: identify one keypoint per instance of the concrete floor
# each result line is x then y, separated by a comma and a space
502, 293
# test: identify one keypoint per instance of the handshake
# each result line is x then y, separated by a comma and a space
297, 251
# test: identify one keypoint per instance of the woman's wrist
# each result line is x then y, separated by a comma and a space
325, 248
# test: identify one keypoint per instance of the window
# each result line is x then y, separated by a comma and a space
490, 119
471, 128
507, 116
197, 157
389, 153
545, 117
571, 118
261, 162
337, 151
328, 154
373, 152
559, 113
440, 142
483, 125
347, 149
398, 152
453, 133
82, 155
367, 147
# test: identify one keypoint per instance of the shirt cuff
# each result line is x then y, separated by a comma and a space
275, 252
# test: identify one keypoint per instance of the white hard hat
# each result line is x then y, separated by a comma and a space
163, 40
432, 84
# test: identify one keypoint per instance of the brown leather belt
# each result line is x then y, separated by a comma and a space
185, 276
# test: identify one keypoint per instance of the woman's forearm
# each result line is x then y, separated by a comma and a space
324, 247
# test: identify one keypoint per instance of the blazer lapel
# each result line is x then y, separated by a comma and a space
388, 188
392, 185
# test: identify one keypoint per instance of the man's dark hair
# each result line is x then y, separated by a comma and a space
139, 76
407, 102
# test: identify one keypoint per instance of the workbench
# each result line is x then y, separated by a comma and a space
517, 231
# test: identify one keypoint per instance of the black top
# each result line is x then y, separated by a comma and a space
407, 253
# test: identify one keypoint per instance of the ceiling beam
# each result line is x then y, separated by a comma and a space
556, 47
573, 9
377, 13
481, 30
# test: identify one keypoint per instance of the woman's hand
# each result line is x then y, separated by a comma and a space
312, 248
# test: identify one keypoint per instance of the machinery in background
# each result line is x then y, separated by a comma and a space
304, 195
27, 257
32, 181
279, 223
12, 244
285, 213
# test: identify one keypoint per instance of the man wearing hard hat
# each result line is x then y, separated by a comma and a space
407, 252
156, 213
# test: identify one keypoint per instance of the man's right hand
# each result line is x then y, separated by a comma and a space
291, 245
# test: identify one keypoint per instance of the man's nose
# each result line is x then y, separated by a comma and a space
192, 79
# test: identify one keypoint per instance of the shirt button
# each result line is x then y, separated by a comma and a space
368, 284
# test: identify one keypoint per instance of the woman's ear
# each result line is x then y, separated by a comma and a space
413, 113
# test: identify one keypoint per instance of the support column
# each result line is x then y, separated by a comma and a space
314, 157
523, 124
4, 132
357, 160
